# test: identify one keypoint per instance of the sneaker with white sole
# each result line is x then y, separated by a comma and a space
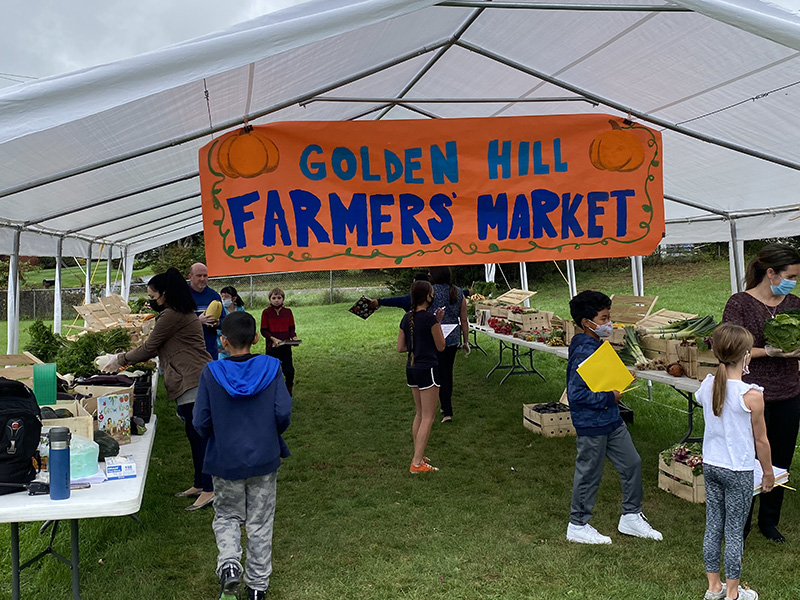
636, 524
715, 595
586, 534
747, 594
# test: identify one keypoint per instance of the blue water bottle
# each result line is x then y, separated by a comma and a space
58, 463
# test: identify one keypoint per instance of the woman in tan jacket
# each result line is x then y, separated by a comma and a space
177, 340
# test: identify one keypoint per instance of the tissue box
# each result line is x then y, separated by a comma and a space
120, 467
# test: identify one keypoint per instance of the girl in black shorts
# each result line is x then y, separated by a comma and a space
421, 337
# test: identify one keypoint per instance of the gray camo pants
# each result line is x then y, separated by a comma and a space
249, 502
728, 498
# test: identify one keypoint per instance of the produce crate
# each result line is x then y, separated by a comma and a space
631, 309
499, 311
697, 363
547, 424
532, 319
660, 318
678, 479
658, 348
112, 312
80, 424
19, 367
569, 331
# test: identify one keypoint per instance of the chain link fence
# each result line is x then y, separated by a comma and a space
301, 288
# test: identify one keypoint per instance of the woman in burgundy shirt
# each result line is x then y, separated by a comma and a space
769, 279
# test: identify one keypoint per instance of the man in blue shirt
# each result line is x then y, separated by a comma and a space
203, 296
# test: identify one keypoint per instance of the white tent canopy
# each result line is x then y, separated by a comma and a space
103, 161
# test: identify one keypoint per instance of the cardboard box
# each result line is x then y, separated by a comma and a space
80, 424
679, 480
547, 424
120, 467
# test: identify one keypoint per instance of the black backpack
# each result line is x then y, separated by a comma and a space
21, 427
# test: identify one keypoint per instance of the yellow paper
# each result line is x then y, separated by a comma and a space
604, 371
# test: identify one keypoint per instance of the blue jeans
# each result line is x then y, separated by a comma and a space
198, 445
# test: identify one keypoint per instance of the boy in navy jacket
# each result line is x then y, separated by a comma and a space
242, 408
601, 432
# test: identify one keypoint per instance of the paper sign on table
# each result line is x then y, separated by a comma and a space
604, 371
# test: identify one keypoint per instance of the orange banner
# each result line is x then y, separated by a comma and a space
308, 196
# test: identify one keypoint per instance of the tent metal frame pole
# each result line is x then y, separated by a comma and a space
737, 260
108, 235
440, 52
523, 281
571, 282
404, 100
135, 213
123, 196
12, 303
127, 273
87, 288
135, 235
627, 109
108, 270
190, 137
57, 291
160, 233
556, 6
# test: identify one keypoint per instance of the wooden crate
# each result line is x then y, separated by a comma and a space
697, 363
678, 479
19, 367
661, 317
547, 424
658, 348
81, 424
631, 309
514, 297
569, 331
532, 320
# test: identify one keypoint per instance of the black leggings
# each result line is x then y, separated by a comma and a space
782, 418
284, 354
447, 359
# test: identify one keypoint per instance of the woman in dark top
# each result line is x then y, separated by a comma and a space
768, 280
421, 337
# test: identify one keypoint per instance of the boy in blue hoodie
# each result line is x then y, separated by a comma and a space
601, 431
242, 408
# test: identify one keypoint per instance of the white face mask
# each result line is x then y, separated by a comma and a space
227, 302
604, 331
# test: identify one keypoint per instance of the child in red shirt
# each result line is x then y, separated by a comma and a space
277, 326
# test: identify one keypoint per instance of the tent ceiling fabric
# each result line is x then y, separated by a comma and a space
109, 154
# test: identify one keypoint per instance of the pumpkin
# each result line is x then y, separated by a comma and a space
616, 150
248, 153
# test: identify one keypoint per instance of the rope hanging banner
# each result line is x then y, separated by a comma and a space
308, 196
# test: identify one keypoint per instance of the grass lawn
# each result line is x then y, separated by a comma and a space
352, 523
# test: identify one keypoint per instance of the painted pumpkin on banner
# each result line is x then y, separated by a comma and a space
616, 150
248, 153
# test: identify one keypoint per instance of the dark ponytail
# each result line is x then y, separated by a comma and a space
420, 290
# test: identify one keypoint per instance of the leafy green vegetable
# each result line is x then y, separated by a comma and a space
784, 330
77, 357
44, 344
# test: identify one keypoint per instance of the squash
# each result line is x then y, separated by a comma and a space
616, 150
214, 309
247, 153
108, 445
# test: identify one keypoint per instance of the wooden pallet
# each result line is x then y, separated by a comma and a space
19, 367
112, 312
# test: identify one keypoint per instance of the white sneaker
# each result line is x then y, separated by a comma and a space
716, 595
747, 594
636, 524
586, 534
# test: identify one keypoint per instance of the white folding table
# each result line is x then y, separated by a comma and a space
113, 498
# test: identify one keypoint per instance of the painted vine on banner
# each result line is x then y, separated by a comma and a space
308, 196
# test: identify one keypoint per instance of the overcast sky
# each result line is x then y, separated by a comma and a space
50, 37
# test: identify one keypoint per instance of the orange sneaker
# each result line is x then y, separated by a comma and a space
422, 468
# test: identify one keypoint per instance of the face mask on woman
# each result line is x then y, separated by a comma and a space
784, 287
604, 331
154, 305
